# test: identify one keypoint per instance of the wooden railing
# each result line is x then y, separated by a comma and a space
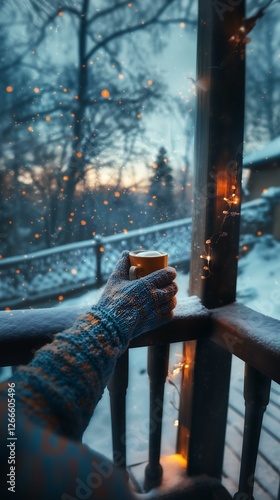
234, 330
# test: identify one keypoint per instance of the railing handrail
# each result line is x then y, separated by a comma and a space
249, 335
93, 242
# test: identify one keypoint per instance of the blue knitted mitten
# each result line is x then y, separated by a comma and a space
63, 383
140, 305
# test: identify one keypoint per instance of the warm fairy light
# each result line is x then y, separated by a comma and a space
125, 231
79, 154
105, 93
101, 249
150, 82
36, 90
83, 223
65, 178
232, 201
245, 248
18, 271
9, 88
65, 90
60, 13
7, 308
182, 25
178, 367
259, 233
30, 129
106, 202
117, 194
36, 236
48, 118
139, 116
74, 271
60, 297
121, 77
230, 214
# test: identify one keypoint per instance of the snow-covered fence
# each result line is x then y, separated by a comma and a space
62, 270
65, 269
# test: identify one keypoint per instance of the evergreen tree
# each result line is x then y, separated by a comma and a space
161, 189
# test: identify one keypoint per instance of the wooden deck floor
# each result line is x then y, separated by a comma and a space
268, 463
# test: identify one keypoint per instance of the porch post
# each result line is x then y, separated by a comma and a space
216, 220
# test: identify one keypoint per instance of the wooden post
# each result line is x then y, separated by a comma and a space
216, 219
218, 154
98, 254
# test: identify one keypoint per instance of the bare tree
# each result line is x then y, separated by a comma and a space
86, 111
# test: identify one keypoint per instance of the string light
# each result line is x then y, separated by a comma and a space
230, 211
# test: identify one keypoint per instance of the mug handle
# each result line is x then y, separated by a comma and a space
132, 273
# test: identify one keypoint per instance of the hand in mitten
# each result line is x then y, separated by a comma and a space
140, 305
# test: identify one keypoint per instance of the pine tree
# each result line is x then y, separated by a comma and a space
161, 189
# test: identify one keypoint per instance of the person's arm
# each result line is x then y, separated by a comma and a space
60, 388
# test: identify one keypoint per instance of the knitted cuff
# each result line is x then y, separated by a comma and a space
112, 324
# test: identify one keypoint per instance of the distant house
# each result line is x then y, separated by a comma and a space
264, 166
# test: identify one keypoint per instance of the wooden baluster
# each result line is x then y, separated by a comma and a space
99, 249
158, 357
117, 389
256, 395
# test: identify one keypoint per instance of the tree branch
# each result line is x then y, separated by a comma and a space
130, 29
107, 11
